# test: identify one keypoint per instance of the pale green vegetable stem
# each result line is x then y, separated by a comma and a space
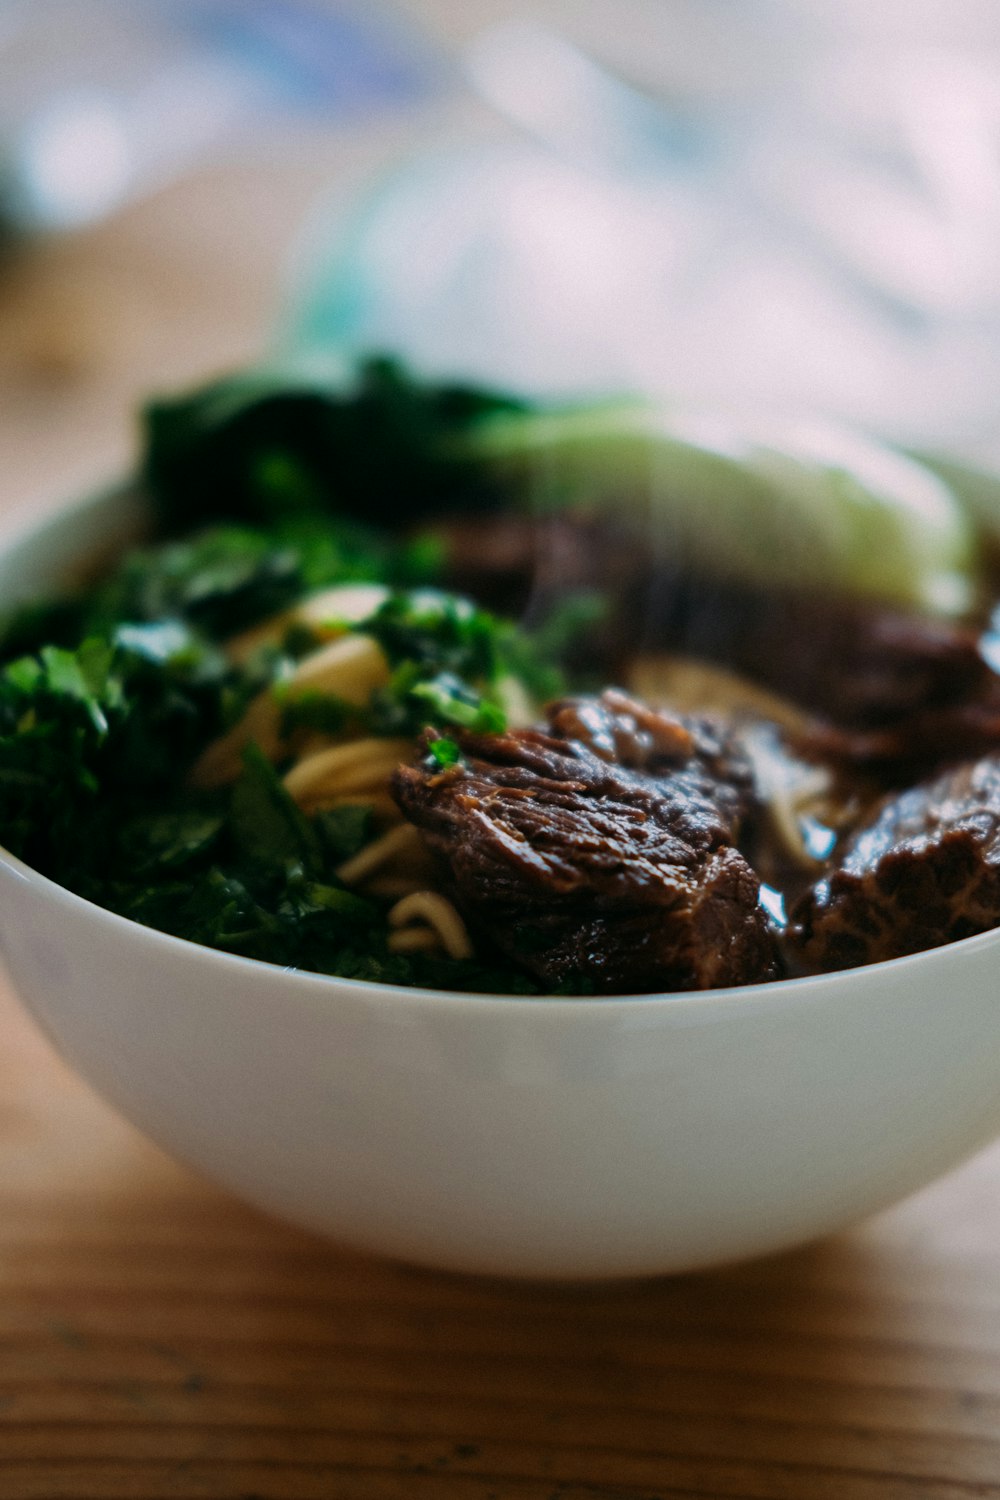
797, 506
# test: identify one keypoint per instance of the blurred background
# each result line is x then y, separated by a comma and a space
790, 202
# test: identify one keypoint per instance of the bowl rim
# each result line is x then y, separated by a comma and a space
21, 528
762, 997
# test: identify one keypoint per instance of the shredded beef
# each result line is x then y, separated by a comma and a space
924, 871
599, 853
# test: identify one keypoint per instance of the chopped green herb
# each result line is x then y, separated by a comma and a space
446, 752
448, 700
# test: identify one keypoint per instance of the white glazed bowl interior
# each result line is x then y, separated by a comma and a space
535, 1137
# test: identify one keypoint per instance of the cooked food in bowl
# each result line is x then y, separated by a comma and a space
428, 685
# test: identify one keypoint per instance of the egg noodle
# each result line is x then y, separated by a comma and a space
329, 770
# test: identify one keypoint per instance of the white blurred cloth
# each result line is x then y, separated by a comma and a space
807, 215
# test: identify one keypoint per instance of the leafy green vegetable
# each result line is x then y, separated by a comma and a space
224, 579
323, 712
264, 822
795, 506
86, 736
154, 842
450, 659
344, 830
83, 677
262, 449
447, 700
791, 507
96, 741
55, 714
442, 631
221, 579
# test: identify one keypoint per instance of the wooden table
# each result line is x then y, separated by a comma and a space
158, 1339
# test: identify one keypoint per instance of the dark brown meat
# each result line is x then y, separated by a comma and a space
914, 746
599, 855
924, 871
529, 563
862, 665
897, 693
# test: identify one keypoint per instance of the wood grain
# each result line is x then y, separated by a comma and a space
160, 1341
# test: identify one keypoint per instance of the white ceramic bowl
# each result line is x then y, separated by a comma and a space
533, 1137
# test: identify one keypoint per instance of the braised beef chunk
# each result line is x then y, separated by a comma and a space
599, 853
897, 692
861, 664
924, 871
896, 755
526, 564
894, 694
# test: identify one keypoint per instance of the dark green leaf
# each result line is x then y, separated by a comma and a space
157, 842
264, 822
344, 829
264, 448
322, 712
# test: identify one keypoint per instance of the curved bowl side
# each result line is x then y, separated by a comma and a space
546, 1138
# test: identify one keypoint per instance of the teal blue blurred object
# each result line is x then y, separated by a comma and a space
516, 258
494, 262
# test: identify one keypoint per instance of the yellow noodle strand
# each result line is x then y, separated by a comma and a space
350, 669
329, 614
373, 856
414, 940
688, 685
329, 771
436, 911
